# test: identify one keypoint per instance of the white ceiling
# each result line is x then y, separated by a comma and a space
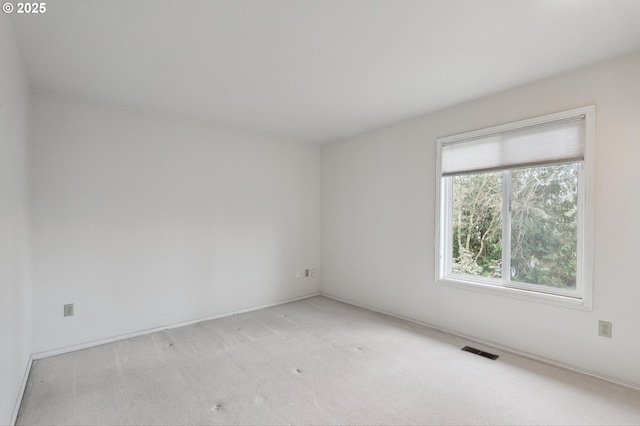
313, 70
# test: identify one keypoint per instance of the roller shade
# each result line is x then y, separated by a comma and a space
553, 142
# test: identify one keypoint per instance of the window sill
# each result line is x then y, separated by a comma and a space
553, 299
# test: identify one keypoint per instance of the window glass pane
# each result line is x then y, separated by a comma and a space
544, 225
477, 224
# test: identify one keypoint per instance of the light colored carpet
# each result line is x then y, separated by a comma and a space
315, 361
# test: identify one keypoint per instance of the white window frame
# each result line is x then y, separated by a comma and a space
579, 298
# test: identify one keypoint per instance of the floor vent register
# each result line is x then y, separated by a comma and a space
479, 352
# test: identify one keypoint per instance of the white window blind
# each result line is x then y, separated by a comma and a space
552, 142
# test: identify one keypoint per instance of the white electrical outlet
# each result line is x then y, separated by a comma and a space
298, 274
68, 310
604, 329
314, 272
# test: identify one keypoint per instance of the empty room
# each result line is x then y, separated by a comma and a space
319, 212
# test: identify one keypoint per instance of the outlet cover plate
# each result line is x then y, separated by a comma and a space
68, 310
604, 329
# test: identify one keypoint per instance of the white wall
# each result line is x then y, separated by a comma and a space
15, 296
378, 225
145, 220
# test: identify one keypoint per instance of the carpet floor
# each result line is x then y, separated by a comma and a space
315, 361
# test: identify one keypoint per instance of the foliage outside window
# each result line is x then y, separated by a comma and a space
513, 209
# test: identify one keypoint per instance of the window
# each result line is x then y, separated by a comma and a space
514, 214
